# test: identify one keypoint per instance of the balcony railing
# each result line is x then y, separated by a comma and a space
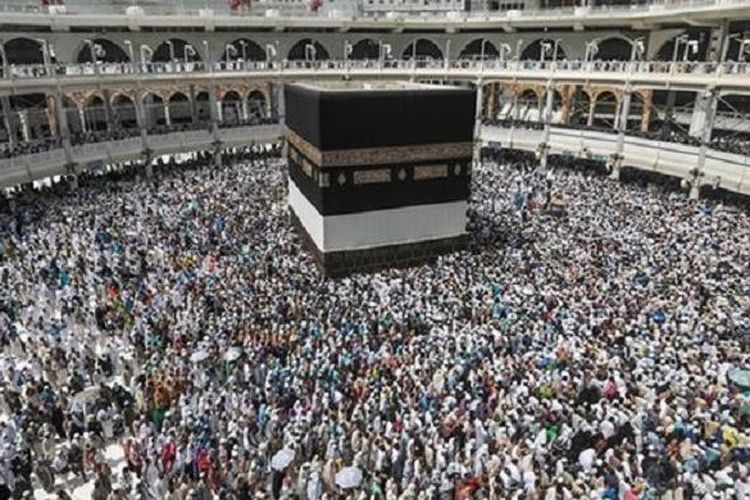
29, 167
354, 11
33, 71
727, 170
87, 141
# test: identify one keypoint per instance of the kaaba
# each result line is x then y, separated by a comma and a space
379, 173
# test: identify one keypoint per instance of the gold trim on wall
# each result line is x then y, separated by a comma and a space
426, 172
379, 156
372, 176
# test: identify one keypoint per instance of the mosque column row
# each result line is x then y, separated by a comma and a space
623, 98
216, 101
56, 113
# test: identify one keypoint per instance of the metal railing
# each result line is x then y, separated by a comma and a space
209, 8
30, 71
34, 166
89, 141
725, 169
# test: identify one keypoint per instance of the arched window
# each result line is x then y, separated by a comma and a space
175, 49
102, 50
24, 51
243, 49
605, 110
180, 108
543, 50
475, 49
256, 104
124, 113
422, 49
308, 49
231, 109
365, 49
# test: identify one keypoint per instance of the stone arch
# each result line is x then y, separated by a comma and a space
231, 108
580, 104
364, 49
506, 99
533, 51
124, 114
163, 53
667, 51
557, 105
222, 92
71, 108
528, 103
473, 49
299, 51
95, 110
110, 52
605, 109
33, 108
23, 51
422, 48
257, 104
119, 95
244, 49
557, 98
153, 106
180, 94
180, 108
614, 49
203, 106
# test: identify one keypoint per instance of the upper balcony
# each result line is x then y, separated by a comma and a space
210, 15
728, 78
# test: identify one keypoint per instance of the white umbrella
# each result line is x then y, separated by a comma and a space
439, 316
199, 356
85, 398
87, 395
740, 377
22, 365
282, 459
232, 353
349, 477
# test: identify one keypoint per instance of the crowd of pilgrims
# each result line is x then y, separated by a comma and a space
578, 348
